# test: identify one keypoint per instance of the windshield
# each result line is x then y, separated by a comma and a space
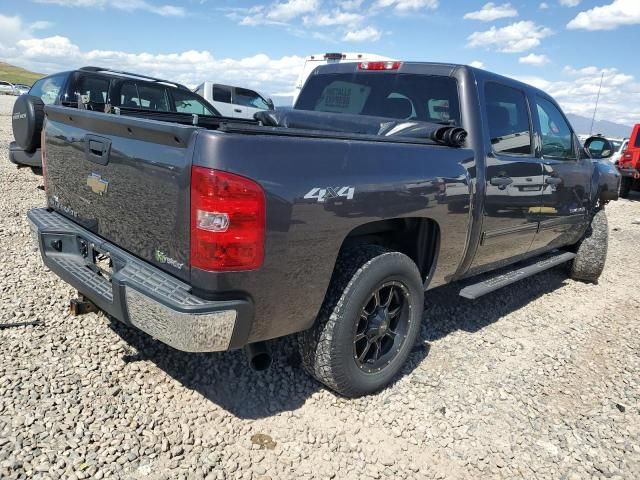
427, 98
616, 145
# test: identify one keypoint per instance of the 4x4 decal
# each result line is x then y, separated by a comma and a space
322, 194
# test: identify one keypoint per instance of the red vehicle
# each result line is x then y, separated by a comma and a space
629, 164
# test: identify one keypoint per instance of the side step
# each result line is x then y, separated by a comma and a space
482, 288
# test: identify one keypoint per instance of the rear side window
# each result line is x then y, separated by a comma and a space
153, 97
636, 143
95, 89
508, 118
249, 98
429, 98
187, 102
129, 96
48, 88
557, 138
221, 94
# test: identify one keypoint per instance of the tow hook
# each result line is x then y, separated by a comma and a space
81, 305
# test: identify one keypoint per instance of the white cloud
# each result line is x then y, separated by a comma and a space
350, 4
577, 91
535, 60
127, 5
514, 38
477, 64
333, 19
367, 34
58, 53
608, 17
278, 13
406, 6
569, 3
491, 11
543, 6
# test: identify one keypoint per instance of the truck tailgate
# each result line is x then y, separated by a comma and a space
125, 179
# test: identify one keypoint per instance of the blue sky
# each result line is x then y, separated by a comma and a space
559, 45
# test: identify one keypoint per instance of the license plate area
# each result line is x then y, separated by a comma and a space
100, 262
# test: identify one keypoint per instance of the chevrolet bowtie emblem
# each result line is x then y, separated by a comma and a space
97, 184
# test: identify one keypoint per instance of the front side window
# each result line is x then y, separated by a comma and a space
557, 138
187, 102
48, 88
508, 118
249, 98
427, 98
221, 94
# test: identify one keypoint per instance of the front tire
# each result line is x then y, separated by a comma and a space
368, 323
591, 251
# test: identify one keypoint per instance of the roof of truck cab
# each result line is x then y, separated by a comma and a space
434, 68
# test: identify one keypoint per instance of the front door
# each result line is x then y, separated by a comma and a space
565, 210
514, 179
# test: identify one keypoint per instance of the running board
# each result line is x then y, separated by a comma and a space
482, 288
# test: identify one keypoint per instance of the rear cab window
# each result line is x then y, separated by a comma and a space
95, 90
403, 96
48, 88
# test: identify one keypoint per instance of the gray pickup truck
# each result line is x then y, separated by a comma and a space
327, 221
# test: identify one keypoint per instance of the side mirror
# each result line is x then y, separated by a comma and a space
270, 104
599, 147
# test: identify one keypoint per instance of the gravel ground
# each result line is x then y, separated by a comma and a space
540, 380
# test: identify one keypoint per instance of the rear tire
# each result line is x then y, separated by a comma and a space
356, 347
625, 186
591, 251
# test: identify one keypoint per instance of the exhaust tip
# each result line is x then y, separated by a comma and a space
260, 362
258, 356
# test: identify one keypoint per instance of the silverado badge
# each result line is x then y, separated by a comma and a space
97, 184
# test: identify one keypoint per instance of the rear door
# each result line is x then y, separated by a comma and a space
514, 178
125, 179
221, 95
567, 178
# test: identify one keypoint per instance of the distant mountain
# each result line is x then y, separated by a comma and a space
10, 73
609, 129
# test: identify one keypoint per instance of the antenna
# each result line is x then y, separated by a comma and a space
596, 108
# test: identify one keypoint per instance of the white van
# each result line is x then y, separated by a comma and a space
313, 61
235, 102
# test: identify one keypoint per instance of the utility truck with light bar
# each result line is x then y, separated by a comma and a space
327, 221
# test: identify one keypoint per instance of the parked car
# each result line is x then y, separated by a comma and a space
327, 221
7, 88
236, 102
314, 61
619, 147
97, 89
21, 89
629, 164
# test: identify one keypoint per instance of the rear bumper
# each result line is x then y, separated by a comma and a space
29, 159
137, 293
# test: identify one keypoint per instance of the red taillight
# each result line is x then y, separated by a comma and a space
627, 155
379, 65
227, 221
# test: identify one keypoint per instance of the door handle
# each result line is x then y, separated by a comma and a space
97, 149
237, 110
553, 180
501, 182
